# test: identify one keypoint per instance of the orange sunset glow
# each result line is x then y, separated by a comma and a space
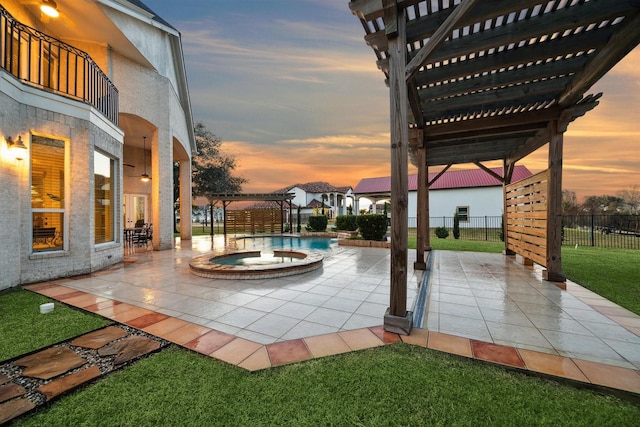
298, 100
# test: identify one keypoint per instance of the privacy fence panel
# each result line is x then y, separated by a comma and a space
526, 217
254, 221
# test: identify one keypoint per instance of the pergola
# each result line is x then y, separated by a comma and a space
279, 198
474, 81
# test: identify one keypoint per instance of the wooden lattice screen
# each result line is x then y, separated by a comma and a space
254, 221
526, 217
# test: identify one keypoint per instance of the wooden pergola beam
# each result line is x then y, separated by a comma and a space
236, 197
489, 125
620, 44
435, 178
438, 37
489, 171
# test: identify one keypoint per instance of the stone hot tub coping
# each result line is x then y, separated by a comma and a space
206, 265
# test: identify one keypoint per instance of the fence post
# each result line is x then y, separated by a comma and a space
486, 230
593, 242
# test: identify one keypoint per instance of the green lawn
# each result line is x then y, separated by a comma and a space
399, 385
23, 329
611, 273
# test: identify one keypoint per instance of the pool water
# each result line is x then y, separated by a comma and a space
286, 243
255, 259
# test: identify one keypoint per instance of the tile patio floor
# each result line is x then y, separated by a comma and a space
483, 306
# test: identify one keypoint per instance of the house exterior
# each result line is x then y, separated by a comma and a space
94, 111
470, 193
319, 196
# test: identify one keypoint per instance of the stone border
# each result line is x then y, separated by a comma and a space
363, 243
205, 266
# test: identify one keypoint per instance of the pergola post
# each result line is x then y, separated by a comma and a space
553, 272
507, 169
224, 218
422, 211
397, 319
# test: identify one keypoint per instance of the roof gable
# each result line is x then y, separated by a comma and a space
316, 187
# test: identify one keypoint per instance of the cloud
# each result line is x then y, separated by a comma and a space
317, 50
295, 93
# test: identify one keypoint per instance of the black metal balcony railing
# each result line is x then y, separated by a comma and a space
47, 63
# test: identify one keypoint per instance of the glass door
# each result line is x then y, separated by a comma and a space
135, 210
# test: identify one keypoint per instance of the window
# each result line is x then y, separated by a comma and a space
463, 213
103, 193
47, 193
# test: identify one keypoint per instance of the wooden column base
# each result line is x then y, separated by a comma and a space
398, 325
419, 265
558, 279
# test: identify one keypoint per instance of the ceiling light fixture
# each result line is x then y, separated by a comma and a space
145, 176
49, 8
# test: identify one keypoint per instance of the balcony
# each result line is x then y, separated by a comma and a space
41, 61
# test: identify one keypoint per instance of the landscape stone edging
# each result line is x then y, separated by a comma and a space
364, 243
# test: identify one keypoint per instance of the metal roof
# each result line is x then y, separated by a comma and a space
486, 78
468, 178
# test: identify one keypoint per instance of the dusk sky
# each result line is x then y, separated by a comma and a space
294, 93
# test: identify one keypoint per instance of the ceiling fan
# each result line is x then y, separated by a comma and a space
144, 177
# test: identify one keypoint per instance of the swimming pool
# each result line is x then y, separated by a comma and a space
270, 243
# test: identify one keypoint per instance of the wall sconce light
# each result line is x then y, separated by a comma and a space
16, 147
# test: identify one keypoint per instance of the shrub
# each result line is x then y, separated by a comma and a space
346, 222
372, 227
442, 232
317, 223
456, 226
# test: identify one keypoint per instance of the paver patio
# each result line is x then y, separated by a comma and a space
483, 306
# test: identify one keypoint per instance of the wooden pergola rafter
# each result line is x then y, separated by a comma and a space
474, 80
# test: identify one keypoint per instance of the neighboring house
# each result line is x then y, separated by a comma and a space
92, 103
470, 193
319, 196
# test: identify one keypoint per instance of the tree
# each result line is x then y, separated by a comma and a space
456, 226
600, 204
569, 202
213, 168
631, 198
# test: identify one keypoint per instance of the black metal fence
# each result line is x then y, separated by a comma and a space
42, 61
485, 228
608, 231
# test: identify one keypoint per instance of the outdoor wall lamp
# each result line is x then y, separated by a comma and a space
49, 8
16, 147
